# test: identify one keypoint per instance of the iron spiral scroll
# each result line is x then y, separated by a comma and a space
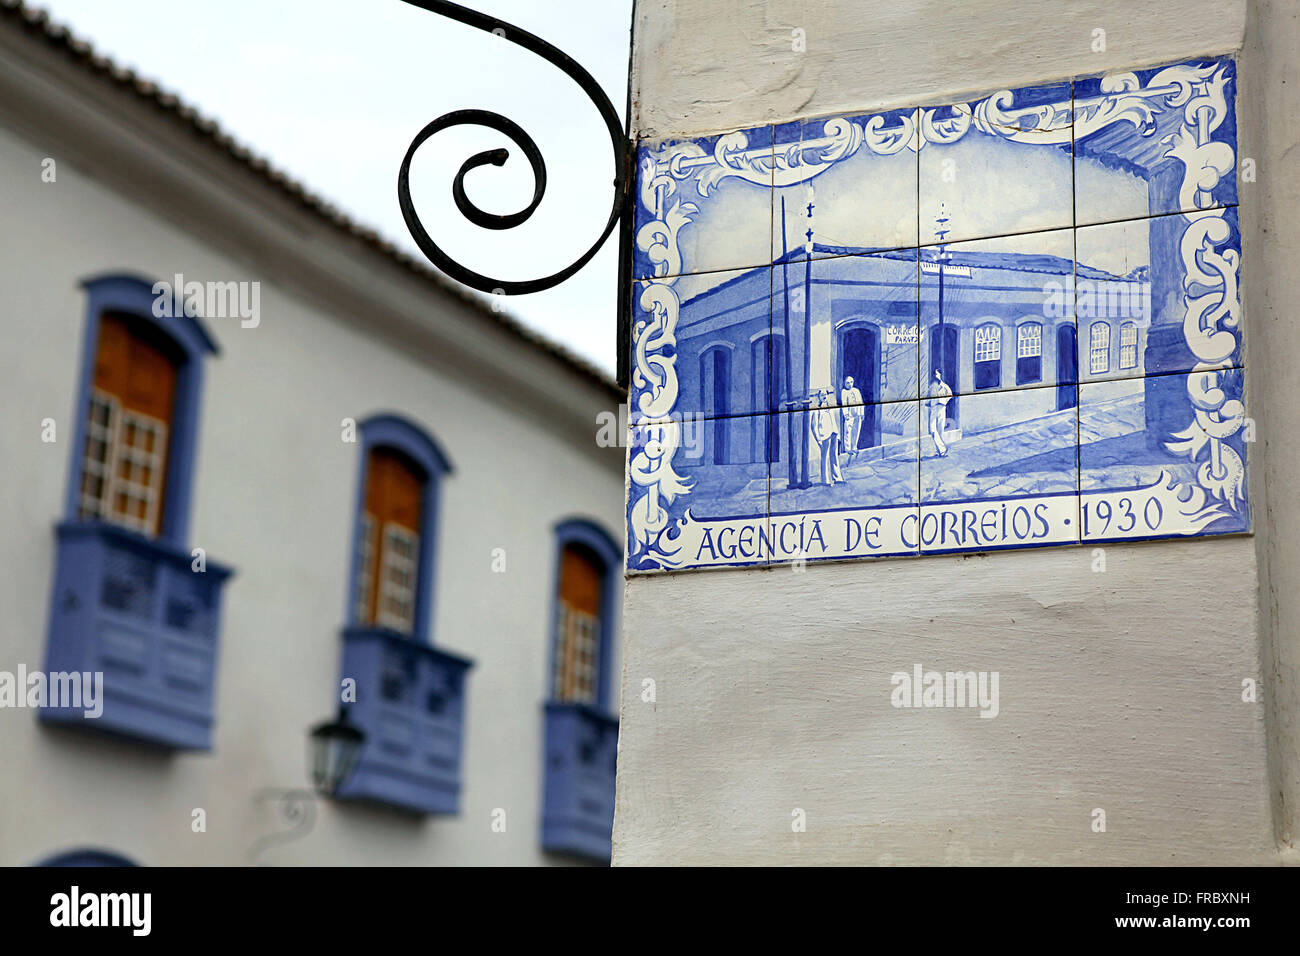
497, 157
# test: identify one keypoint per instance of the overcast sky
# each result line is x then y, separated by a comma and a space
333, 91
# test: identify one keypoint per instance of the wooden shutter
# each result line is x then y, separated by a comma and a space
132, 405
577, 655
135, 369
393, 509
580, 580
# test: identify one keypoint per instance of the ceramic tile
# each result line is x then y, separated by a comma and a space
697, 493
1149, 142
849, 317
998, 314
1004, 475
1163, 456
1090, 365
1139, 282
703, 204
847, 483
844, 185
709, 337
998, 164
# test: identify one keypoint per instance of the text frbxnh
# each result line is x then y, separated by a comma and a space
75, 908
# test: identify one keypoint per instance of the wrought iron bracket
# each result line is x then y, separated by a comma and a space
497, 157
297, 807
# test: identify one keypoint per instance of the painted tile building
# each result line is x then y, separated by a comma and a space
262, 468
1016, 310
1018, 229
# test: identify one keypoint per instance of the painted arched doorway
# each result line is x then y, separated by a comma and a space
1067, 366
944, 352
857, 351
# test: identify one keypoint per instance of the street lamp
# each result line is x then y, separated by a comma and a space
334, 748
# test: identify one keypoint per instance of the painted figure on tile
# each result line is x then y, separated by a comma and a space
940, 395
826, 432
851, 402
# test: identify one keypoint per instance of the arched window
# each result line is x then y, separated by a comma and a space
988, 356
87, 857
578, 763
1099, 348
1029, 353
588, 564
133, 453
578, 605
410, 696
1128, 345
128, 590
128, 424
396, 522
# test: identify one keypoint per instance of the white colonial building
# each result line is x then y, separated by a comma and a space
1143, 704
263, 471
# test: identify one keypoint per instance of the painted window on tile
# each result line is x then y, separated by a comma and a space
715, 399
988, 356
128, 422
1099, 348
715, 381
1128, 345
769, 372
387, 568
769, 364
1029, 353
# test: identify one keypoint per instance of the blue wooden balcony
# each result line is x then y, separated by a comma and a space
581, 753
411, 707
133, 609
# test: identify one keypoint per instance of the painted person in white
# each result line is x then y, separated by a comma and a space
851, 401
826, 432
940, 395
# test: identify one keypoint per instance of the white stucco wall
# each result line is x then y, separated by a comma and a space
274, 495
1119, 690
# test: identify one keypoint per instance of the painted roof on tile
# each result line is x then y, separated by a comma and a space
1017, 261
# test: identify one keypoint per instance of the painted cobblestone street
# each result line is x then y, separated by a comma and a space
1115, 450
1031, 457
1020, 458
891, 479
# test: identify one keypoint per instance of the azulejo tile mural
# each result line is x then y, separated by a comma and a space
1008, 322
